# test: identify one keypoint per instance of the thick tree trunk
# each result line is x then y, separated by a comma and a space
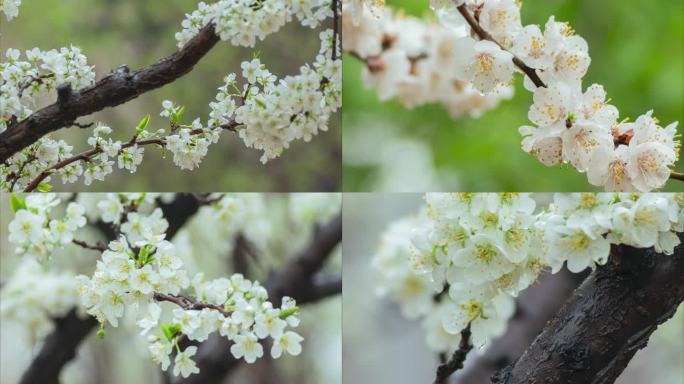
605, 322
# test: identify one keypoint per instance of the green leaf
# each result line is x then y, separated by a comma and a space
17, 202
177, 116
44, 187
142, 124
285, 313
170, 330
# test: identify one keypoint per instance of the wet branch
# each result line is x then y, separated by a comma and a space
606, 321
115, 89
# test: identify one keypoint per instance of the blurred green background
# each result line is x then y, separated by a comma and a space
637, 51
138, 33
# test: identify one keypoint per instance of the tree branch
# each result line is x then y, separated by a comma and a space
456, 361
484, 35
606, 320
294, 280
91, 153
677, 176
188, 304
114, 89
70, 331
335, 4
95, 247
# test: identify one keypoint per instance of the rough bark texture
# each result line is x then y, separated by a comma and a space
114, 89
297, 280
70, 331
534, 307
605, 322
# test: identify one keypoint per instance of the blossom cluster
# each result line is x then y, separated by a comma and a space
136, 274
35, 231
40, 73
237, 309
412, 60
137, 278
465, 257
273, 112
10, 8
571, 125
34, 296
57, 158
242, 22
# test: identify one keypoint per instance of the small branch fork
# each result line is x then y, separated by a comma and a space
529, 71
91, 153
484, 35
187, 304
456, 361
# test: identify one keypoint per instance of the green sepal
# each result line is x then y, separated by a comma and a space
142, 125
44, 187
285, 313
176, 117
170, 330
17, 203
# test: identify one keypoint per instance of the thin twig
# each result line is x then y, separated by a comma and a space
188, 304
91, 153
456, 362
677, 176
95, 247
16, 176
484, 35
32, 80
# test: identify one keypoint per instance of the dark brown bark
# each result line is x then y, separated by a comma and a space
606, 320
70, 331
297, 279
456, 361
59, 348
115, 89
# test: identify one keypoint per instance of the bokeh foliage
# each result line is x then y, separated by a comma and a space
637, 51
